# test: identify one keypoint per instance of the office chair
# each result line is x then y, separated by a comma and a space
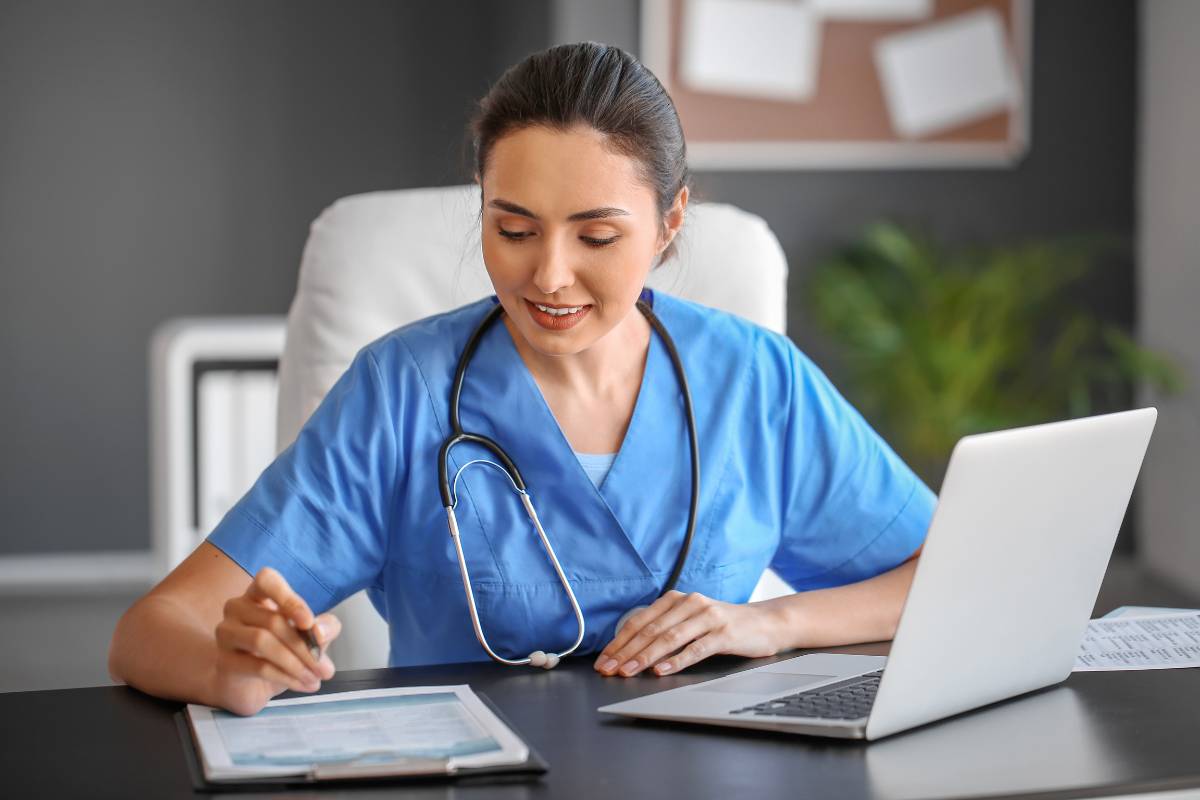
374, 262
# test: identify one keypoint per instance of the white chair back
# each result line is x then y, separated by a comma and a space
376, 261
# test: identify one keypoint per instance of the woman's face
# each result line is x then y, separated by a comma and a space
570, 231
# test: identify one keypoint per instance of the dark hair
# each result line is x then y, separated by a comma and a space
599, 86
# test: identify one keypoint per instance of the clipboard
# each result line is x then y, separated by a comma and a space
413, 771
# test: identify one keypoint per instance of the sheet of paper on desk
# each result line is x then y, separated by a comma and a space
1146, 611
1134, 642
289, 737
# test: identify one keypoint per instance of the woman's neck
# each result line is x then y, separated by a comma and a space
613, 363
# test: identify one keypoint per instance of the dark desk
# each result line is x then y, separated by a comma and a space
1096, 734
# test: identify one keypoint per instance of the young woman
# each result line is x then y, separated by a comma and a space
581, 162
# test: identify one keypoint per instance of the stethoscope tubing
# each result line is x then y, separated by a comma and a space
450, 499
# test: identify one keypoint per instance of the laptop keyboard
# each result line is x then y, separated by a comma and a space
848, 699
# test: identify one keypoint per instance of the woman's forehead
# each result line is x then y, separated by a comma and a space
561, 172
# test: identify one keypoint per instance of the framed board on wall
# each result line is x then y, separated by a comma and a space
837, 84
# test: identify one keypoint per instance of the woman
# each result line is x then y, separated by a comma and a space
581, 162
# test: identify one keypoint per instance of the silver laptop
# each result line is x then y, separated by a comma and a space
1013, 561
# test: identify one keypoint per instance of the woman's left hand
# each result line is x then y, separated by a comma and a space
680, 629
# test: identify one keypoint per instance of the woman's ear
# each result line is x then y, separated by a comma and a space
673, 219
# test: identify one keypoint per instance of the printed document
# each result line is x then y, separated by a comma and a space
1134, 641
385, 731
1145, 611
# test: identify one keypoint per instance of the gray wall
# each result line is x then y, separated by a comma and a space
1169, 280
161, 159
165, 158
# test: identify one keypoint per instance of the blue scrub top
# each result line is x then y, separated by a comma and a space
791, 477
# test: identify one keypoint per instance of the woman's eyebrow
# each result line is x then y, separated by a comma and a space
591, 213
598, 213
512, 208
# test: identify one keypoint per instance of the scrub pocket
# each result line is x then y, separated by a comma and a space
430, 620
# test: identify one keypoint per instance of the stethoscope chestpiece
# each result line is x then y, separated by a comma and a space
544, 660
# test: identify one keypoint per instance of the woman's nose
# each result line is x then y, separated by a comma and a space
553, 273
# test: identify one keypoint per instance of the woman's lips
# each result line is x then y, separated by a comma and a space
557, 322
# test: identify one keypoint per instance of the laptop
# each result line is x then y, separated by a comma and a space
1003, 591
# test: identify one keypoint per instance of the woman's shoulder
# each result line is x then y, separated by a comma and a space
745, 362
721, 335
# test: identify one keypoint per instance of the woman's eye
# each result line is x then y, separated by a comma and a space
515, 236
595, 242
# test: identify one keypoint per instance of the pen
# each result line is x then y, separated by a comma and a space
314, 647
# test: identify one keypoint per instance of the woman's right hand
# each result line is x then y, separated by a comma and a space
260, 650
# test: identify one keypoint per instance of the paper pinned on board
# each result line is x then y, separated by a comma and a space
947, 73
874, 10
756, 48
1141, 641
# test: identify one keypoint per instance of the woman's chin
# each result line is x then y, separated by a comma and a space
558, 343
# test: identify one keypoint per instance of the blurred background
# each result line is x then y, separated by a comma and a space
1020, 247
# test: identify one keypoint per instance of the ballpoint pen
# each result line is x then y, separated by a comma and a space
314, 647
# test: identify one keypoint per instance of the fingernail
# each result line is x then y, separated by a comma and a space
629, 668
321, 630
609, 665
663, 668
312, 677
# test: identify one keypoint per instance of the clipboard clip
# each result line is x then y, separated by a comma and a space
361, 767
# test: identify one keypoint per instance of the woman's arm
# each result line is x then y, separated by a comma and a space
211, 634
867, 611
678, 629
165, 644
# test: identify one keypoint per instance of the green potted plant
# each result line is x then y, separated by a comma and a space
941, 344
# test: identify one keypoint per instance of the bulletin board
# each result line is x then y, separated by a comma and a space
845, 121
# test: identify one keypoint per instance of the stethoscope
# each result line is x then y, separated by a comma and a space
540, 658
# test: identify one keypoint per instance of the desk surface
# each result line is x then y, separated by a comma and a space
1097, 733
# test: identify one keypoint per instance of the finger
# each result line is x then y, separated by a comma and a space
685, 606
245, 664
638, 621
262, 643
256, 616
622, 658
698, 650
326, 628
674, 639
618, 649
268, 584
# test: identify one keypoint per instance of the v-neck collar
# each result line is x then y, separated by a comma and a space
575, 512
547, 413
648, 488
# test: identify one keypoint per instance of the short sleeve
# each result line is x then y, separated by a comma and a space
320, 513
852, 508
